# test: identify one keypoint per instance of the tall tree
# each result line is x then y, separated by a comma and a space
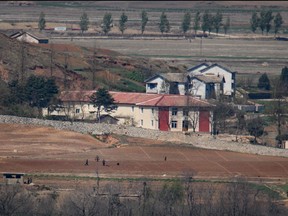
41, 22
144, 20
268, 18
205, 22
196, 23
84, 22
264, 82
254, 22
107, 23
186, 22
211, 22
164, 25
278, 21
255, 128
217, 21
284, 79
40, 91
103, 101
122, 22
226, 26
262, 21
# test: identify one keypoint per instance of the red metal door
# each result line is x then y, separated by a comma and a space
163, 118
204, 121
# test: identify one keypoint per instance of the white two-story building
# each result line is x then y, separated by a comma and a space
164, 112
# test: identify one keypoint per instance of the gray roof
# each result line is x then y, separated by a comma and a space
35, 35
209, 79
191, 69
174, 77
170, 77
216, 65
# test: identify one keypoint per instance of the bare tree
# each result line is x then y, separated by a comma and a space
15, 200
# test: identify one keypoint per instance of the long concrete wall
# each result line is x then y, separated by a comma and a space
198, 140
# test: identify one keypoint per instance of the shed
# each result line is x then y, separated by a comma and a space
30, 37
13, 178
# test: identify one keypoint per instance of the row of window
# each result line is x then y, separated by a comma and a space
174, 111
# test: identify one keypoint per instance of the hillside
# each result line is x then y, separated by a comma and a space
111, 69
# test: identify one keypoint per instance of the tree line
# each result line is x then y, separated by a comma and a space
141, 198
22, 97
264, 21
206, 22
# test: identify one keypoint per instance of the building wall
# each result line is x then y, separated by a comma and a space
227, 86
138, 116
163, 87
198, 88
160, 88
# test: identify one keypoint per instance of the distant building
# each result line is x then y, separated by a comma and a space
164, 112
13, 178
60, 28
167, 83
30, 37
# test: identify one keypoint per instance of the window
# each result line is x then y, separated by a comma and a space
152, 110
152, 123
77, 110
185, 112
132, 108
141, 122
152, 85
174, 124
174, 111
142, 110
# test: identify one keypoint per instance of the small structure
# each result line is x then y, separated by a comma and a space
13, 178
107, 119
30, 37
60, 28
167, 83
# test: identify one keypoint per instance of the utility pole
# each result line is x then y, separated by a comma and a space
201, 46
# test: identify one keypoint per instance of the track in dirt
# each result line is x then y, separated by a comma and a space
36, 150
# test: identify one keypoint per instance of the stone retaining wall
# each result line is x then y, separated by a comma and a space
198, 140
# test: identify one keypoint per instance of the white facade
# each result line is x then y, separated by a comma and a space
138, 116
229, 85
159, 85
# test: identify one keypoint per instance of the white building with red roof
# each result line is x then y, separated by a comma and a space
153, 111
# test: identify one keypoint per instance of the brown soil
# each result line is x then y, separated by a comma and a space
37, 150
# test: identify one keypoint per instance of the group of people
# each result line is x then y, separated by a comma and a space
97, 158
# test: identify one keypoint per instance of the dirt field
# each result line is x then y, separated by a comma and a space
244, 56
39, 150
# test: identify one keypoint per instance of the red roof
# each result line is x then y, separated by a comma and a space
140, 99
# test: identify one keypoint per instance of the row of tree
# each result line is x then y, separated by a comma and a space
206, 22
264, 21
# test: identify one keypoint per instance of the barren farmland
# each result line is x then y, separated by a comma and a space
41, 151
244, 56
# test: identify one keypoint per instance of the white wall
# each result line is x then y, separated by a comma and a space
198, 88
227, 86
160, 88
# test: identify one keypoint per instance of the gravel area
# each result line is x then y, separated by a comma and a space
205, 141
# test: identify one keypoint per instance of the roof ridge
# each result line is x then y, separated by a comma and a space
162, 96
147, 100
